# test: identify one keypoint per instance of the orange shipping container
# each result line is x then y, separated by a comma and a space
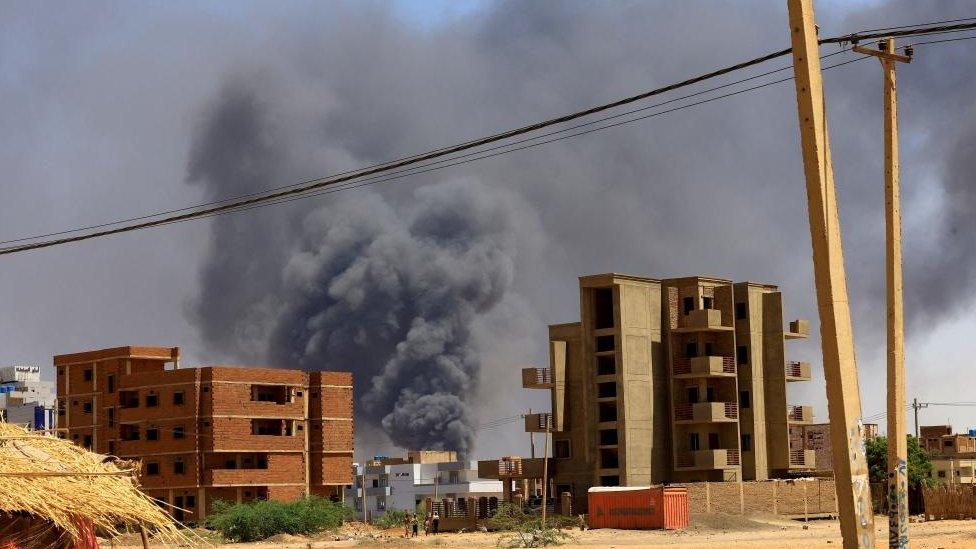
638, 507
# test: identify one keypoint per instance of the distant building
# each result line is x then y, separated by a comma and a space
209, 433
953, 455
816, 437
403, 483
25, 400
671, 380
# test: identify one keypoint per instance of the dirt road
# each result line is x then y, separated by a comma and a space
707, 531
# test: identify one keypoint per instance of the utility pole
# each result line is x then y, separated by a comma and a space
897, 440
836, 337
545, 470
916, 405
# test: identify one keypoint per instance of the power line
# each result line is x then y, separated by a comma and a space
303, 190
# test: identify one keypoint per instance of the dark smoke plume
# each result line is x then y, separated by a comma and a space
355, 284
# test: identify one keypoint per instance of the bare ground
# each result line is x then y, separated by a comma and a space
706, 531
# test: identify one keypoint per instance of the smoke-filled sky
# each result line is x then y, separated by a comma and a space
436, 289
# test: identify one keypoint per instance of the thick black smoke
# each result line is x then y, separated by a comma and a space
356, 284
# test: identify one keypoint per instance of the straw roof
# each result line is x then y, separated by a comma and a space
52, 479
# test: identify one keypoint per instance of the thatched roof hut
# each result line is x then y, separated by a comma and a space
55, 494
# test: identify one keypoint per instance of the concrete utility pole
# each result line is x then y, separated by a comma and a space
545, 471
916, 406
897, 441
836, 337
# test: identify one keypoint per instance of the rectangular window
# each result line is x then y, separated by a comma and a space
606, 390
692, 395
606, 365
111, 447
942, 474
707, 303
562, 449
178, 398
604, 343
88, 375
694, 442
610, 480
179, 432
152, 433
688, 304
608, 458
691, 350
152, 401
129, 399
608, 437
87, 407
110, 383
191, 502
746, 442
60, 371
179, 467
111, 417
745, 400
709, 394
608, 411
713, 441
88, 442
709, 349
603, 308
740, 311
742, 354
152, 468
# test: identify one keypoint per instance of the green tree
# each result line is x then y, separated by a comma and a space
919, 465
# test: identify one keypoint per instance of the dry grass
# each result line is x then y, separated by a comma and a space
54, 480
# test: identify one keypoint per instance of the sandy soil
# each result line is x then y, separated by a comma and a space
707, 531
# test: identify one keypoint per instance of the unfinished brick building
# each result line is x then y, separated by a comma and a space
672, 380
209, 433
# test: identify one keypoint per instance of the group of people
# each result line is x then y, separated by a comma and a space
411, 524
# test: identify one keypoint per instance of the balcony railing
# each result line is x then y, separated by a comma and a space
721, 458
537, 378
702, 320
799, 414
706, 412
797, 371
704, 366
802, 458
538, 423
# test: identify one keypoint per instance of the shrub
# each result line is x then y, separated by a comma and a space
263, 519
525, 530
391, 518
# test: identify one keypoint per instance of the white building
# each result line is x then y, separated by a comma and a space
25, 399
404, 484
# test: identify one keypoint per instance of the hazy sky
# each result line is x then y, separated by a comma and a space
110, 108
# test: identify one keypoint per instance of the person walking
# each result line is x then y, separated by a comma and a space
413, 521
406, 525
435, 522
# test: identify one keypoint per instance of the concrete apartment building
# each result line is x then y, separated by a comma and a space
208, 433
403, 483
25, 400
673, 380
953, 455
816, 437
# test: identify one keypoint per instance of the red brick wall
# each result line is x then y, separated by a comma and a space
331, 468
234, 434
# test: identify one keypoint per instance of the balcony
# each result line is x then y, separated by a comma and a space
704, 366
708, 459
537, 378
799, 414
803, 459
797, 371
706, 412
702, 320
538, 423
512, 467
799, 329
